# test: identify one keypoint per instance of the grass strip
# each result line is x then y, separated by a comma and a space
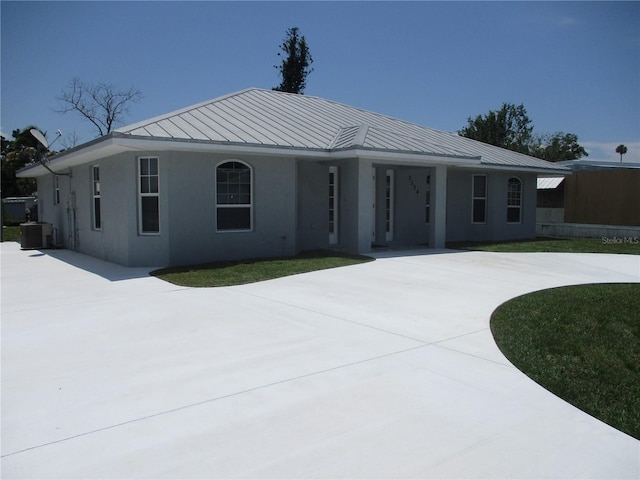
582, 343
624, 245
223, 274
11, 234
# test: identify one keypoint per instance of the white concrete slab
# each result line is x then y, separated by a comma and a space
381, 370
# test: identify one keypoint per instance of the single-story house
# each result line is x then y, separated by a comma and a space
261, 173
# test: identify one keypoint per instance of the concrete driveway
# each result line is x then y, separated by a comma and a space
382, 370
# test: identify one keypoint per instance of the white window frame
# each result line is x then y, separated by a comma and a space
334, 202
517, 206
56, 190
475, 197
96, 213
147, 194
240, 205
427, 203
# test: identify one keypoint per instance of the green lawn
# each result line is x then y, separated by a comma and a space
10, 234
581, 343
628, 245
223, 274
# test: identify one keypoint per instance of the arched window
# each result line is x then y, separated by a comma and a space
514, 200
233, 197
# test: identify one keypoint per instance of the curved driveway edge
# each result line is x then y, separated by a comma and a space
381, 370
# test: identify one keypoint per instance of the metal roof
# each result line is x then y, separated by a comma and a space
549, 183
269, 118
269, 122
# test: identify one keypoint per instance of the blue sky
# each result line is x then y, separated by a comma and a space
575, 66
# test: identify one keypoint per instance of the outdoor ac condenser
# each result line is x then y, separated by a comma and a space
36, 235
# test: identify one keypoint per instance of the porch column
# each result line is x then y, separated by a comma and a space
366, 211
438, 227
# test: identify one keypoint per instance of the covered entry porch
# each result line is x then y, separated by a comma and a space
407, 210
360, 204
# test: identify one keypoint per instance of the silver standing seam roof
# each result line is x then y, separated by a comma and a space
256, 119
260, 117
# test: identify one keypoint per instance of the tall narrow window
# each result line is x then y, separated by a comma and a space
333, 205
95, 189
56, 190
388, 207
148, 190
233, 197
514, 200
427, 205
479, 199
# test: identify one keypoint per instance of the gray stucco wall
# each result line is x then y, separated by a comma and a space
191, 224
351, 204
54, 214
187, 210
290, 208
459, 201
312, 203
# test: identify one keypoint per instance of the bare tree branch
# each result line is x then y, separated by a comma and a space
102, 104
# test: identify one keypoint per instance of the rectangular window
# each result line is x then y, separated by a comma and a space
56, 190
95, 190
479, 199
148, 191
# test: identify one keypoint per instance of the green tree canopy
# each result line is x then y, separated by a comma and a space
296, 63
557, 147
16, 154
511, 128
621, 149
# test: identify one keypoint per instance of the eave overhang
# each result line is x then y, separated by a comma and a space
116, 143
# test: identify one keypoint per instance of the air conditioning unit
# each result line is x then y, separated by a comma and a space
36, 235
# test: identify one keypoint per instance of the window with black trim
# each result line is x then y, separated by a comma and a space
95, 190
479, 199
149, 195
514, 200
233, 197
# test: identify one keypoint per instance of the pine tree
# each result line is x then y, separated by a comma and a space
296, 64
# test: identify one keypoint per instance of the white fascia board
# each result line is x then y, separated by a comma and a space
147, 144
516, 168
89, 152
117, 142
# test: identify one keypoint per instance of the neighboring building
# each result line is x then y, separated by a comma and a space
261, 173
17, 210
601, 193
